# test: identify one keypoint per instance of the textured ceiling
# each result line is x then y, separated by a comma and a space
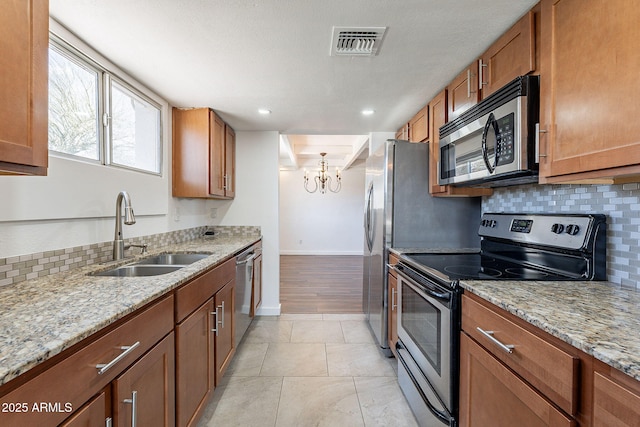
237, 56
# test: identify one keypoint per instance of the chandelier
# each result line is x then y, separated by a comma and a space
322, 179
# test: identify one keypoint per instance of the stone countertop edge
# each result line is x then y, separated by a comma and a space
600, 318
42, 317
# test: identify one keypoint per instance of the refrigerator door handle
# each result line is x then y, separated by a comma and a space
368, 218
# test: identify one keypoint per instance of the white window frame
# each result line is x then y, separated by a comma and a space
105, 77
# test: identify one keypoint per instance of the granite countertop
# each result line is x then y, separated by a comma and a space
600, 318
40, 318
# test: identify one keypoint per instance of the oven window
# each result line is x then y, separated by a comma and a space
422, 321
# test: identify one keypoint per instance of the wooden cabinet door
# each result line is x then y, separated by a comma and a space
403, 132
463, 92
190, 147
257, 285
224, 301
393, 312
613, 404
146, 390
216, 155
229, 162
419, 125
24, 43
94, 413
512, 55
589, 90
438, 117
195, 364
492, 395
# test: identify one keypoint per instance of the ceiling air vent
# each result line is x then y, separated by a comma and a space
356, 41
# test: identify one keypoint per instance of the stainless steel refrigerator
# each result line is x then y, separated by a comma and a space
400, 213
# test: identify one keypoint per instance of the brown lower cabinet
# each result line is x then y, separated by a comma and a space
204, 338
543, 381
616, 398
492, 395
93, 413
135, 354
146, 391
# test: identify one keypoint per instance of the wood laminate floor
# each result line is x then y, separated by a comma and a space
321, 284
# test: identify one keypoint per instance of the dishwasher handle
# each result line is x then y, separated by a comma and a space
247, 259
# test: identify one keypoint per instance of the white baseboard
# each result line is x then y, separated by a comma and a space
269, 311
294, 252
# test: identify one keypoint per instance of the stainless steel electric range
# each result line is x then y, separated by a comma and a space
513, 247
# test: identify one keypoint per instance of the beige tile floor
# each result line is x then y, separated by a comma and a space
309, 370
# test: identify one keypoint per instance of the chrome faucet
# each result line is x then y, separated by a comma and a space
129, 218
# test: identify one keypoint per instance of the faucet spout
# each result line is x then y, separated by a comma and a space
129, 219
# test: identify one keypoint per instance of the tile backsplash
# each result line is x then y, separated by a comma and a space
24, 267
621, 204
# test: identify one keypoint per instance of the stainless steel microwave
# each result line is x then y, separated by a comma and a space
494, 143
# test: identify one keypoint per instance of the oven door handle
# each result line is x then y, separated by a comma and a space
424, 287
442, 416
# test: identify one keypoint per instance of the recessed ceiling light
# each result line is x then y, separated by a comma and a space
368, 112
264, 111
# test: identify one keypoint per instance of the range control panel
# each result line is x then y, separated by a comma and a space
571, 231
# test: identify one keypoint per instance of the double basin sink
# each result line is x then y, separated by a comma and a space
153, 265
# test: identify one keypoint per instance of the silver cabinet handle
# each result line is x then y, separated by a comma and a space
134, 407
222, 306
489, 334
215, 322
537, 142
481, 67
108, 422
394, 306
104, 367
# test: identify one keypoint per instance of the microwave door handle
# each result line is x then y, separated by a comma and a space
491, 124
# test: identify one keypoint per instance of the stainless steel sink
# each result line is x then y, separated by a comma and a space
172, 259
138, 270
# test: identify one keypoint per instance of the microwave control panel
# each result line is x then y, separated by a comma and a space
505, 139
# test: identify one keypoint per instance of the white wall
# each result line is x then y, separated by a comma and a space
256, 203
322, 224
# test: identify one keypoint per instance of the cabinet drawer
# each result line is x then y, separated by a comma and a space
492, 395
75, 379
613, 404
548, 368
193, 294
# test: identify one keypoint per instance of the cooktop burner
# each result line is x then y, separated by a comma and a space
476, 266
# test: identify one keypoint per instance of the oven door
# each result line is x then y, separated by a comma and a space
424, 328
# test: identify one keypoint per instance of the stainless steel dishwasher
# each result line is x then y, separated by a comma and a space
244, 290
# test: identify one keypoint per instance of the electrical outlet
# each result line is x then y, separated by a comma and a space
176, 214
213, 213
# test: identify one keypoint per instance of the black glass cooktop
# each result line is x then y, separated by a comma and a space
476, 266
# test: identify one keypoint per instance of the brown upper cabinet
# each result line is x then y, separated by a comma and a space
437, 118
512, 55
403, 132
419, 126
589, 91
203, 155
463, 91
24, 43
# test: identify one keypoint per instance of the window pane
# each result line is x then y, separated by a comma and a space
135, 130
73, 107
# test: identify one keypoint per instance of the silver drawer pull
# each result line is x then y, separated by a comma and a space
215, 322
489, 334
104, 367
134, 407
